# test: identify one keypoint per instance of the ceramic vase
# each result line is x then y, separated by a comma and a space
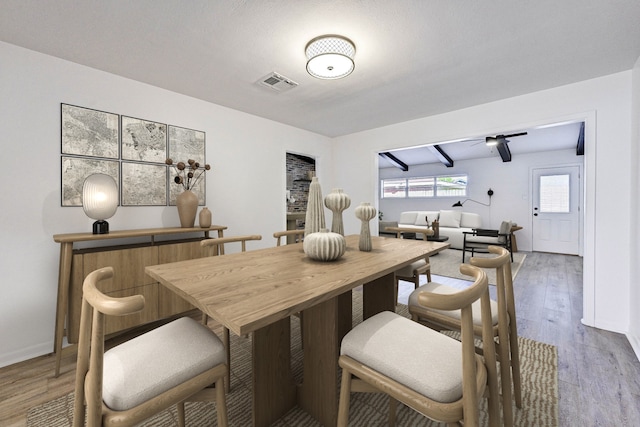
204, 218
187, 203
337, 201
365, 213
324, 245
314, 218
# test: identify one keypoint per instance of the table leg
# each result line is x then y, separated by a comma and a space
378, 296
64, 278
325, 325
274, 391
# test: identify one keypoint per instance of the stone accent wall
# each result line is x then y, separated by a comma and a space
300, 169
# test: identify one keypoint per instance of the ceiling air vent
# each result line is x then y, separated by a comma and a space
277, 82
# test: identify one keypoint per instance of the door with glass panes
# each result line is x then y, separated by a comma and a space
556, 210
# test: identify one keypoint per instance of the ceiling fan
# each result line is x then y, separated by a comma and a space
492, 141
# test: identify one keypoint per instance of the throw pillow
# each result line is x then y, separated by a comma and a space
450, 219
505, 228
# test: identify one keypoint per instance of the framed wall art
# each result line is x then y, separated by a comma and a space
144, 184
76, 169
87, 132
143, 140
185, 144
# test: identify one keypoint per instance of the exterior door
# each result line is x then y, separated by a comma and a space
556, 210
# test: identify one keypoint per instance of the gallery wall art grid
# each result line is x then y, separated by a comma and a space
131, 150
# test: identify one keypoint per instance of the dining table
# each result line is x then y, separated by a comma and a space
257, 292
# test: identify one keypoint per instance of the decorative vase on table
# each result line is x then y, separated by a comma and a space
324, 245
337, 201
365, 213
314, 218
204, 218
187, 203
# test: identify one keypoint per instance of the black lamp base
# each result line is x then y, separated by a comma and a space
101, 227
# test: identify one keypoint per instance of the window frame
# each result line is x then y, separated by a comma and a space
419, 181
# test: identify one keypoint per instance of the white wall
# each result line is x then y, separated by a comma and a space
510, 182
245, 189
634, 158
605, 106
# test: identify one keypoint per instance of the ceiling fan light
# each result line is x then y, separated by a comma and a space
491, 141
330, 57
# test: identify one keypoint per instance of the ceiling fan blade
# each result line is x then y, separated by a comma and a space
513, 134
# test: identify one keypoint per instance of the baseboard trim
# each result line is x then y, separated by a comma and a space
25, 354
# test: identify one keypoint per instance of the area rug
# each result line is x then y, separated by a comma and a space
539, 383
447, 263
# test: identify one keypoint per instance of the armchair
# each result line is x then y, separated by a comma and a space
479, 239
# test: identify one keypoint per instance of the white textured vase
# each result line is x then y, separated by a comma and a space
337, 201
314, 218
365, 213
324, 245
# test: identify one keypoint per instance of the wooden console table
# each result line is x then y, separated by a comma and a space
129, 260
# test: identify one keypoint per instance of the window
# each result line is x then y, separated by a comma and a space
554, 193
452, 186
394, 188
430, 186
420, 187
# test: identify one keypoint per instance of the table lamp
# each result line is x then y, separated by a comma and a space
100, 200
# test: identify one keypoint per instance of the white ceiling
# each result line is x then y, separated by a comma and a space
414, 58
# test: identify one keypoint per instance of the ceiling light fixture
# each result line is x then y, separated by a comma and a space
330, 57
491, 141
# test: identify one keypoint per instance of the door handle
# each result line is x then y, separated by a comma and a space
535, 214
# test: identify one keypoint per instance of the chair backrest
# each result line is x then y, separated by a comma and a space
504, 281
95, 305
463, 300
298, 235
214, 247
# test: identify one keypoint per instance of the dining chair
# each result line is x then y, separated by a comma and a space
296, 235
480, 239
216, 247
430, 372
503, 322
141, 377
412, 272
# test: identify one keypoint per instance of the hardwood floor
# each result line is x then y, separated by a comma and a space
598, 372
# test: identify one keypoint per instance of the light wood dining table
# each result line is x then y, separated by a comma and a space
258, 291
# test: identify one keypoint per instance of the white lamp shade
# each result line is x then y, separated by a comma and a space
330, 57
99, 196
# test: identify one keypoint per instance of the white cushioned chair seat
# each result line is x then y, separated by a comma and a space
409, 353
151, 364
438, 288
408, 270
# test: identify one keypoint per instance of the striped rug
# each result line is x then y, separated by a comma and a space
539, 365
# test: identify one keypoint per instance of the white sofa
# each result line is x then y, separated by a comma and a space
452, 223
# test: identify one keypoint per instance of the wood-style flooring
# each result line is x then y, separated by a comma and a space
599, 374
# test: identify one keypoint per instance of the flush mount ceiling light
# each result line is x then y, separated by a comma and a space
330, 57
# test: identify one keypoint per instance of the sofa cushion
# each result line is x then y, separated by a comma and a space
426, 217
470, 220
450, 219
408, 217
